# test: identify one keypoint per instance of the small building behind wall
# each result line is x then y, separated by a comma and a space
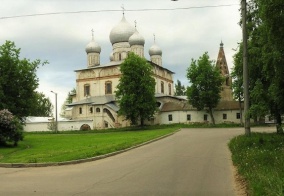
178, 110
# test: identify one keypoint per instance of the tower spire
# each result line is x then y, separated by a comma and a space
221, 64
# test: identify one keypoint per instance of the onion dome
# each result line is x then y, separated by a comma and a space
121, 32
93, 47
136, 39
155, 50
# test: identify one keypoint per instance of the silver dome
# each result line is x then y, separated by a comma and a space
155, 50
93, 47
121, 32
136, 39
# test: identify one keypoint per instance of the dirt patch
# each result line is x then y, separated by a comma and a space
240, 184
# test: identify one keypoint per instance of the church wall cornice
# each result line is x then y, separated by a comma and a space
98, 78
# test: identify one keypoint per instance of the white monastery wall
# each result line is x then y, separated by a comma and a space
62, 125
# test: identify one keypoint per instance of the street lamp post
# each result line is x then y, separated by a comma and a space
56, 128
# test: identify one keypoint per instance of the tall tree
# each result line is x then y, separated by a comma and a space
265, 58
136, 90
18, 82
179, 89
206, 82
42, 106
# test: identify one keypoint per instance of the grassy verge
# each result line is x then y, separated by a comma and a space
66, 146
260, 160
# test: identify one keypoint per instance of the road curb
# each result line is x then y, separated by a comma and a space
25, 165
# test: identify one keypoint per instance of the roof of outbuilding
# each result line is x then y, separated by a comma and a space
185, 106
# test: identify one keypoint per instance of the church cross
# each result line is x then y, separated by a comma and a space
92, 34
123, 9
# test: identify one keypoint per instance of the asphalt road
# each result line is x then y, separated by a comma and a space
190, 162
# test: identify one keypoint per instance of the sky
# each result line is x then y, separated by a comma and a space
182, 34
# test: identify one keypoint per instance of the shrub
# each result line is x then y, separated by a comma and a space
11, 128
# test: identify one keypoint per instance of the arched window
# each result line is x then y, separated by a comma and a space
98, 110
91, 110
158, 104
80, 111
108, 87
162, 87
86, 90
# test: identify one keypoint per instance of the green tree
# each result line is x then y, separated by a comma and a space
43, 106
206, 82
180, 89
265, 58
136, 90
237, 84
18, 83
261, 108
68, 100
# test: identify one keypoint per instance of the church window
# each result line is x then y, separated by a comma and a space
238, 115
170, 116
119, 56
170, 89
90, 60
224, 116
108, 87
188, 117
162, 87
98, 110
86, 90
205, 117
80, 111
91, 110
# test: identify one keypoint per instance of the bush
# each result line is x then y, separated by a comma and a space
11, 129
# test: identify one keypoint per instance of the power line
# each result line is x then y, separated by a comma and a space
130, 10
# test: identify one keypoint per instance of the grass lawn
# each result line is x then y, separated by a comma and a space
50, 147
260, 161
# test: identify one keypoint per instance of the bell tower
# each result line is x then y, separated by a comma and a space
226, 93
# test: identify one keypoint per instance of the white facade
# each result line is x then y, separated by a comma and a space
171, 117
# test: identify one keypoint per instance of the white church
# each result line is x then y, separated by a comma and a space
95, 100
